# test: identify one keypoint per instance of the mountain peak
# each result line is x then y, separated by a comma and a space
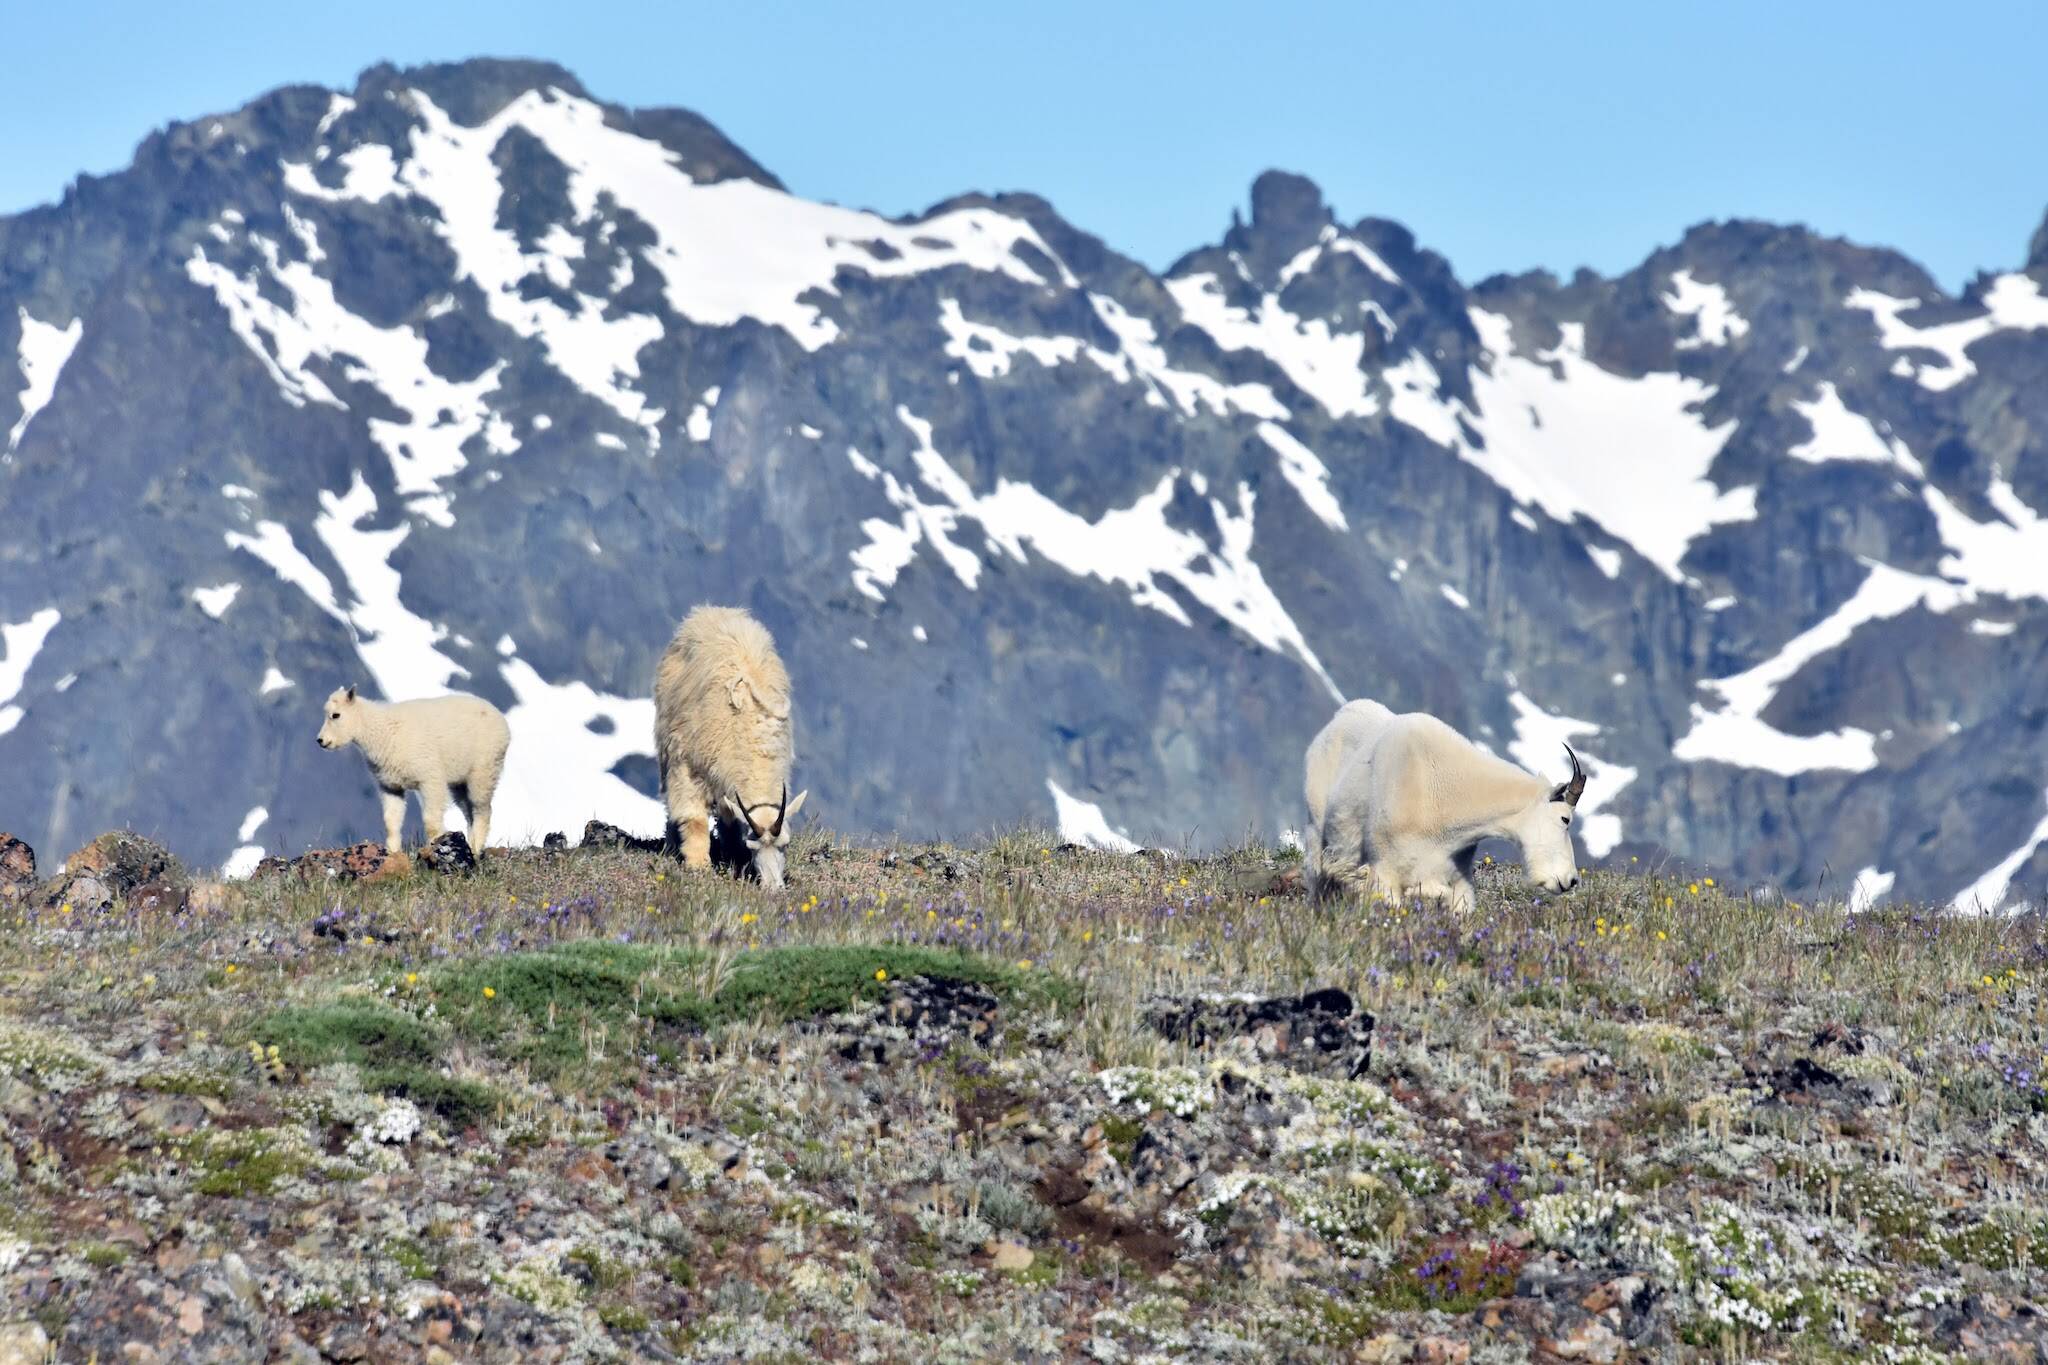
471, 91
2037, 249
1283, 201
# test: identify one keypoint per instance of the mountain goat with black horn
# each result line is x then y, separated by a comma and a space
722, 738
1400, 803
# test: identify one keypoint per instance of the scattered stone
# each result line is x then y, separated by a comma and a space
921, 1019
449, 855
23, 1343
364, 861
17, 869
114, 868
1321, 1031
1806, 1080
598, 834
1849, 1039
1010, 1256
556, 842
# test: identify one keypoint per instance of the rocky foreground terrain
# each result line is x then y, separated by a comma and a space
1020, 1101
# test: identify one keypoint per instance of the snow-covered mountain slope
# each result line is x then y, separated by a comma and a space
463, 379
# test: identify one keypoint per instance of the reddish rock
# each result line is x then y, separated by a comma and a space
17, 869
365, 861
116, 868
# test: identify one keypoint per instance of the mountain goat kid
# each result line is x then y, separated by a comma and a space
437, 746
722, 737
1399, 804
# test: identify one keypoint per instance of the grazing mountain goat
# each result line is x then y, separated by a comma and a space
721, 734
1411, 798
438, 746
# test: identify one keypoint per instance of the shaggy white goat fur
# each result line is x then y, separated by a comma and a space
1356, 726
1399, 804
444, 748
722, 736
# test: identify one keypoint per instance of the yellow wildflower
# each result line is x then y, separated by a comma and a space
490, 994
881, 974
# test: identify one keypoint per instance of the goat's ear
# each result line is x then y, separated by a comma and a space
732, 804
351, 693
794, 802
1557, 792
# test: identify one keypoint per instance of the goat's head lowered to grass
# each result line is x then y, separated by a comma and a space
764, 826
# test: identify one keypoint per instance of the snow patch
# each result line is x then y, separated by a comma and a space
398, 647
22, 641
1839, 434
1454, 597
989, 351
216, 601
1798, 359
1562, 434
273, 681
727, 251
1988, 892
698, 426
42, 353
369, 174
558, 770
1608, 561
2004, 558
1870, 887
1310, 477
1983, 627
1333, 241
1716, 321
1737, 735
273, 544
2012, 303
1082, 822
1538, 745
440, 415
1324, 364
1140, 358
1134, 547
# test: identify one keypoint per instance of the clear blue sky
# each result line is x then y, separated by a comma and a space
1506, 136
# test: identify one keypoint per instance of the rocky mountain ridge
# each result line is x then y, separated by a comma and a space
464, 379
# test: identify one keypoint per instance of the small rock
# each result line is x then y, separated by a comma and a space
192, 1315
598, 834
1319, 1031
555, 842
17, 869
1010, 1256
114, 867
365, 861
449, 855
1591, 1339
1388, 1348
1848, 1039
23, 1343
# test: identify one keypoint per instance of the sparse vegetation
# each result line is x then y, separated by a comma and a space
653, 1105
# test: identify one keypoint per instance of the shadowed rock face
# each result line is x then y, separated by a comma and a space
460, 380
